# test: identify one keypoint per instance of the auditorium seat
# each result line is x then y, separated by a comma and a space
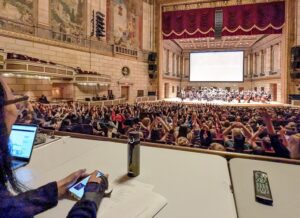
87, 129
218, 140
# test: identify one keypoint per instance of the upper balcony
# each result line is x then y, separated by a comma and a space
263, 75
169, 75
80, 42
25, 66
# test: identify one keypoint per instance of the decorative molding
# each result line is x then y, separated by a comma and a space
125, 51
12, 67
258, 79
169, 77
105, 79
125, 71
175, 5
31, 38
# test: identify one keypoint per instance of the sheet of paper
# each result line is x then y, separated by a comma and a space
132, 199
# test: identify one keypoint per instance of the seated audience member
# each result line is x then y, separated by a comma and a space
15, 200
43, 99
292, 148
104, 98
238, 140
195, 135
169, 137
182, 136
182, 141
145, 127
216, 147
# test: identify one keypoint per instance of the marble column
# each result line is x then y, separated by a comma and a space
287, 42
159, 48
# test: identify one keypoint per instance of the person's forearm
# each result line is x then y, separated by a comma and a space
255, 135
226, 131
164, 125
87, 207
270, 127
247, 132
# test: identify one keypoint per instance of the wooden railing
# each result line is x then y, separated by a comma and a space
225, 154
125, 51
80, 40
103, 102
145, 99
24, 67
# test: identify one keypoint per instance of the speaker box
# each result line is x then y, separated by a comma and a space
218, 23
295, 75
151, 93
296, 65
152, 57
296, 51
152, 75
152, 67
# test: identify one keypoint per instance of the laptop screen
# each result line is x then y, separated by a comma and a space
21, 140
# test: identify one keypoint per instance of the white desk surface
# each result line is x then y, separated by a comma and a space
195, 185
284, 180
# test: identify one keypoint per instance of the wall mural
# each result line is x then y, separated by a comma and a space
19, 10
127, 15
68, 17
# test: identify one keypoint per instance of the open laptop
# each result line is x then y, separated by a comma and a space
21, 143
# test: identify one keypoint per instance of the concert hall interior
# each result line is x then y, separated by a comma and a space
207, 91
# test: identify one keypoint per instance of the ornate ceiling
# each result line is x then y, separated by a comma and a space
176, 2
231, 42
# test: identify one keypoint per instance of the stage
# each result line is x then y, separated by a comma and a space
232, 103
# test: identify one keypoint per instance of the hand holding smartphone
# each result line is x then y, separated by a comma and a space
77, 190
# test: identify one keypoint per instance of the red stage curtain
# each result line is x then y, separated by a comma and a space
188, 24
253, 19
250, 19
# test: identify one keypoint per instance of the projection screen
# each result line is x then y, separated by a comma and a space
217, 66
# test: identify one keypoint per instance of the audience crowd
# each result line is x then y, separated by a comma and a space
270, 131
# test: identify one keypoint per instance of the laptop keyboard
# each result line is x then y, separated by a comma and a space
17, 164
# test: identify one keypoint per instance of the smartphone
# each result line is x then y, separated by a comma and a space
77, 190
263, 193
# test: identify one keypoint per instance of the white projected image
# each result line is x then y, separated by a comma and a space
217, 66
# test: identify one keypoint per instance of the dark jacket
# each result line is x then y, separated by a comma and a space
33, 202
279, 148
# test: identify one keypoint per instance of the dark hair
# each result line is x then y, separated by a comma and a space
6, 172
183, 131
239, 141
155, 134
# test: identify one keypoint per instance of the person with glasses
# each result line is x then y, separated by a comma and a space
15, 199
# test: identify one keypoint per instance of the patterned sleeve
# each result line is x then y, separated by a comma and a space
30, 203
88, 206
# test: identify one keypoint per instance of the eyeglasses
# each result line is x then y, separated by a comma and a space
16, 100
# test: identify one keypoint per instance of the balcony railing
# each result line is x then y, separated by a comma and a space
125, 51
172, 75
273, 73
80, 40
